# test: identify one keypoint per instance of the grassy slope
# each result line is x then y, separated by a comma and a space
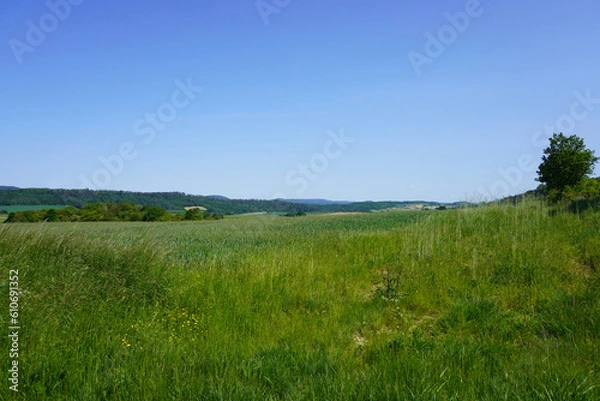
464, 304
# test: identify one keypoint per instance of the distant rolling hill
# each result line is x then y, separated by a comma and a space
315, 201
180, 200
217, 197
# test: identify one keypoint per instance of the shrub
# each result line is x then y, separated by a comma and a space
154, 213
194, 214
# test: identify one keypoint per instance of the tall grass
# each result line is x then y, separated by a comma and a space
499, 302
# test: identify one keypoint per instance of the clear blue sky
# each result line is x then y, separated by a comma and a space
422, 119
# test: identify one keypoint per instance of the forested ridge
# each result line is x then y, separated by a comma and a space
179, 200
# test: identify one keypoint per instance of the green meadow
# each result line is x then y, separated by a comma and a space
483, 303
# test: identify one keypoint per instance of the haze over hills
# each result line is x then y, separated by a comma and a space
316, 201
11, 196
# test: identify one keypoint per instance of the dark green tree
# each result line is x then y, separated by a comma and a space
51, 216
154, 213
194, 214
565, 163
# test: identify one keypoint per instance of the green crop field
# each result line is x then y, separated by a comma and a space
487, 303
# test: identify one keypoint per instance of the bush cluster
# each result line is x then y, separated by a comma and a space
295, 214
107, 212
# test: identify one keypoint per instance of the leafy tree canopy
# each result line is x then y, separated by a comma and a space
565, 163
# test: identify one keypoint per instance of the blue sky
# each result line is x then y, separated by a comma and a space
355, 100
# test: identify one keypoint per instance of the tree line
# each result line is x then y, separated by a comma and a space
79, 198
122, 211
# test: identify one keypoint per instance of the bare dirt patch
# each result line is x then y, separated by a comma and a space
196, 207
